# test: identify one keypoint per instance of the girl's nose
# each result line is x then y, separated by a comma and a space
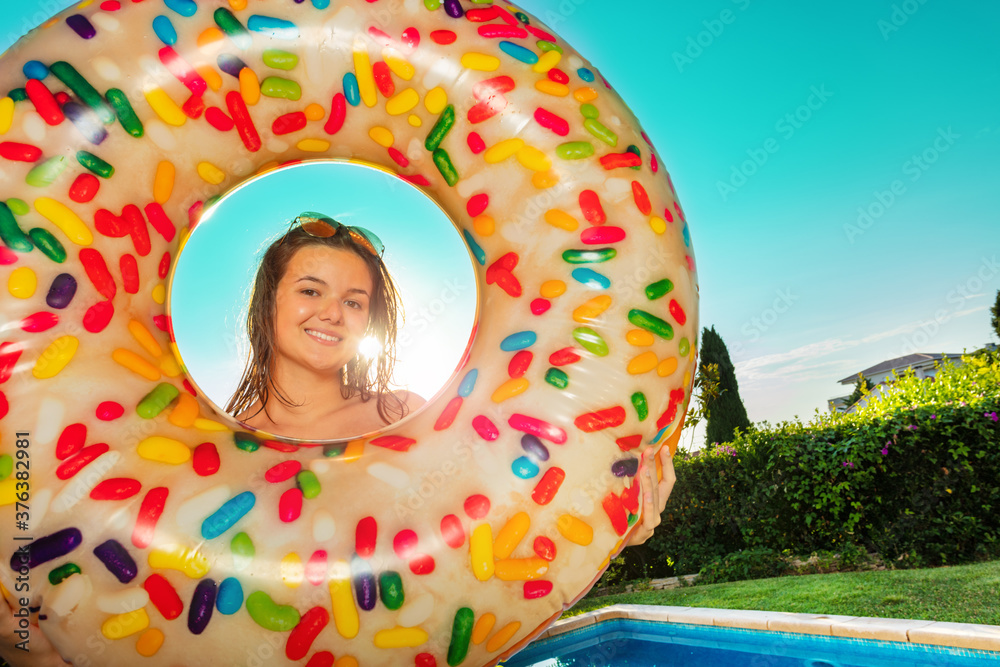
333, 311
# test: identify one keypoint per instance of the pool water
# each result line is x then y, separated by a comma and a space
651, 644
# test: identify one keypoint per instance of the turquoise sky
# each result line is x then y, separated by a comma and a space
880, 107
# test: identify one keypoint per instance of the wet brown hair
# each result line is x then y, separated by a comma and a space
367, 377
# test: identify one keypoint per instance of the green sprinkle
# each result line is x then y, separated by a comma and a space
655, 290
243, 550
157, 400
632, 518
461, 635
6, 466
45, 173
18, 206
441, 128
546, 45
443, 162
589, 256
86, 92
683, 347
640, 405
279, 59
522, 17
575, 150
48, 244
11, 233
632, 148
591, 341
92, 163
557, 378
231, 25
651, 323
432, 4
336, 449
246, 441
59, 574
125, 112
589, 110
270, 615
275, 86
309, 483
598, 130
390, 589
18, 94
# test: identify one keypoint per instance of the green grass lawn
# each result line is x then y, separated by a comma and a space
962, 594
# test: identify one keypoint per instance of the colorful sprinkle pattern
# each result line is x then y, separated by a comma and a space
159, 528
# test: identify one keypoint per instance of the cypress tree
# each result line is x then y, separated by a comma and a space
725, 411
995, 312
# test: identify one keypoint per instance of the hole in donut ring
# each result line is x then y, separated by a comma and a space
212, 287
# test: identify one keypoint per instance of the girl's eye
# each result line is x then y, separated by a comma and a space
354, 304
309, 292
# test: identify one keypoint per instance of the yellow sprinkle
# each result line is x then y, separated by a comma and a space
414, 120
163, 450
363, 72
292, 570
210, 37
534, 159
547, 61
124, 625
345, 614
381, 136
315, 112
136, 364
481, 551
238, 5
6, 114
504, 634
163, 182
398, 64
55, 357
165, 107
211, 77
210, 173
592, 308
249, 86
552, 88
585, 94
182, 559
346, 661
575, 530
501, 151
313, 145
521, 569
482, 627
400, 637
436, 100
185, 412
667, 367
687, 378
402, 102
8, 491
22, 282
355, 448
149, 642
169, 366
643, 363
639, 337
143, 336
484, 224
544, 179
561, 219
510, 388
658, 225
511, 534
550, 289
159, 293
62, 217
209, 425
480, 62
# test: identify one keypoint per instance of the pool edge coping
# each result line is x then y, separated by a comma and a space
937, 633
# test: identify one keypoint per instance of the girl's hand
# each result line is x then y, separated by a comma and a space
654, 493
40, 651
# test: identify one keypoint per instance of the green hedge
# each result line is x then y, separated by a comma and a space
913, 476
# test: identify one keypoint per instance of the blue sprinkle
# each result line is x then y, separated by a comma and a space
321, 4
230, 596
118, 560
468, 383
86, 121
351, 90
534, 447
277, 28
165, 30
585, 74
479, 253
81, 26
518, 341
524, 468
182, 7
34, 69
230, 64
518, 52
687, 236
226, 516
590, 278
625, 467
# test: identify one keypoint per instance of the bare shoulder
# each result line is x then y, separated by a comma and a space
411, 400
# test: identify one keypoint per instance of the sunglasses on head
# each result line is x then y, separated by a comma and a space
321, 226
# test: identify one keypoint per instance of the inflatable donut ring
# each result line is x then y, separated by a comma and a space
151, 530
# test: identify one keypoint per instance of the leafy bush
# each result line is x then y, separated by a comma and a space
743, 565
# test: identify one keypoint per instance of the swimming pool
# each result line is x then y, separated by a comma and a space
640, 643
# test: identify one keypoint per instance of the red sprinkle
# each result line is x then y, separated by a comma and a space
111, 5
302, 636
676, 396
398, 157
130, 273
547, 487
338, 111
194, 107
551, 121
491, 99
629, 442
383, 79
182, 70
423, 659
668, 214
477, 506
500, 272
116, 488
380, 36
163, 596
97, 270
84, 188
421, 564
558, 75
164, 267
677, 312
476, 143
411, 38
502, 32
396, 443
404, 543
316, 568
71, 441
9, 354
38, 322
537, 589
564, 357
601, 419
290, 122
98, 316
613, 507
244, 123
137, 229
541, 34
290, 505
7, 256
282, 471
519, 363
641, 198
365, 537
44, 101
448, 415
161, 223
618, 160
80, 460
477, 204
590, 206
481, 15
630, 498
109, 224
218, 119
109, 411
544, 548
321, 659
149, 514
602, 235
205, 459
539, 306
10, 150
486, 429
452, 532
536, 426
443, 37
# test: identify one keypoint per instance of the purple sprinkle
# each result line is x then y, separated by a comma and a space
61, 292
364, 583
534, 447
82, 26
454, 9
231, 65
86, 122
202, 602
46, 548
117, 559
625, 467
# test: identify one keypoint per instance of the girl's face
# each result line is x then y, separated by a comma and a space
322, 308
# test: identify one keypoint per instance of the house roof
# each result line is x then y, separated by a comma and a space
918, 359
